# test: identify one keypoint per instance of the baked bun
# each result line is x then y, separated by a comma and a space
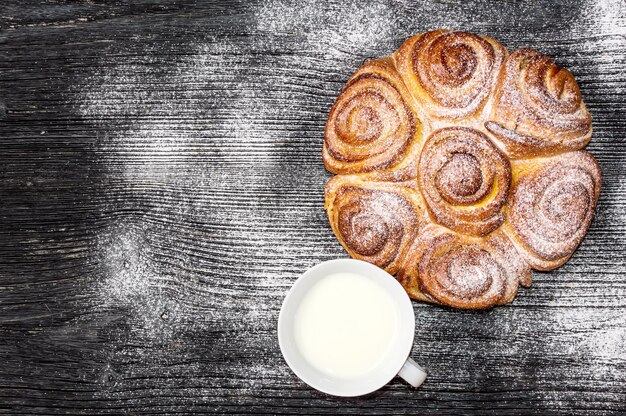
460, 167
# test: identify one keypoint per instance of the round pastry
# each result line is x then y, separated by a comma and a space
459, 167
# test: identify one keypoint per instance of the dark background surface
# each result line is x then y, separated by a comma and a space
161, 188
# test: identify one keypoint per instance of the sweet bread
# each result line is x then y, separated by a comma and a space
459, 167
375, 222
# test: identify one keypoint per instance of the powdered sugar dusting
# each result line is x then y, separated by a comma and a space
132, 279
175, 189
552, 208
601, 17
601, 26
359, 26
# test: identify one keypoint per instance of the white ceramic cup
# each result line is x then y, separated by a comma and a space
395, 362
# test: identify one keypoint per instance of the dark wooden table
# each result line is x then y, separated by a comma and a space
162, 188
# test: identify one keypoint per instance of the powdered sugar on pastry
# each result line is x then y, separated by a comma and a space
489, 162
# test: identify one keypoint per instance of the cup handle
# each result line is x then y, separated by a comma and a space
412, 373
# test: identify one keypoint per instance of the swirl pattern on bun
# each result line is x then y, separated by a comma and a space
538, 108
375, 225
552, 206
463, 272
371, 125
452, 73
464, 179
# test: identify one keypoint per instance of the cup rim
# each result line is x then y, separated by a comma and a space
402, 345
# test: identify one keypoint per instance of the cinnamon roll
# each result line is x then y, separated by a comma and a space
463, 272
373, 223
538, 109
451, 74
459, 167
371, 125
464, 179
551, 207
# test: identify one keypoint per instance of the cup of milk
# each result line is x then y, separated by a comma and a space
346, 328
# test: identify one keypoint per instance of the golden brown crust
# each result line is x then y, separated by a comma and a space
374, 222
371, 125
450, 73
463, 272
551, 207
464, 179
538, 109
459, 167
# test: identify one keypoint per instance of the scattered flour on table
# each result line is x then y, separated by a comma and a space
601, 26
132, 280
164, 143
602, 18
592, 340
331, 30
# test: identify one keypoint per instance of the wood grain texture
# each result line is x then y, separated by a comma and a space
162, 187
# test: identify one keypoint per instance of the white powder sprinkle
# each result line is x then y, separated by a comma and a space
601, 17
167, 167
357, 26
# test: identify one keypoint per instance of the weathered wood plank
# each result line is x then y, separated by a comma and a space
162, 187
